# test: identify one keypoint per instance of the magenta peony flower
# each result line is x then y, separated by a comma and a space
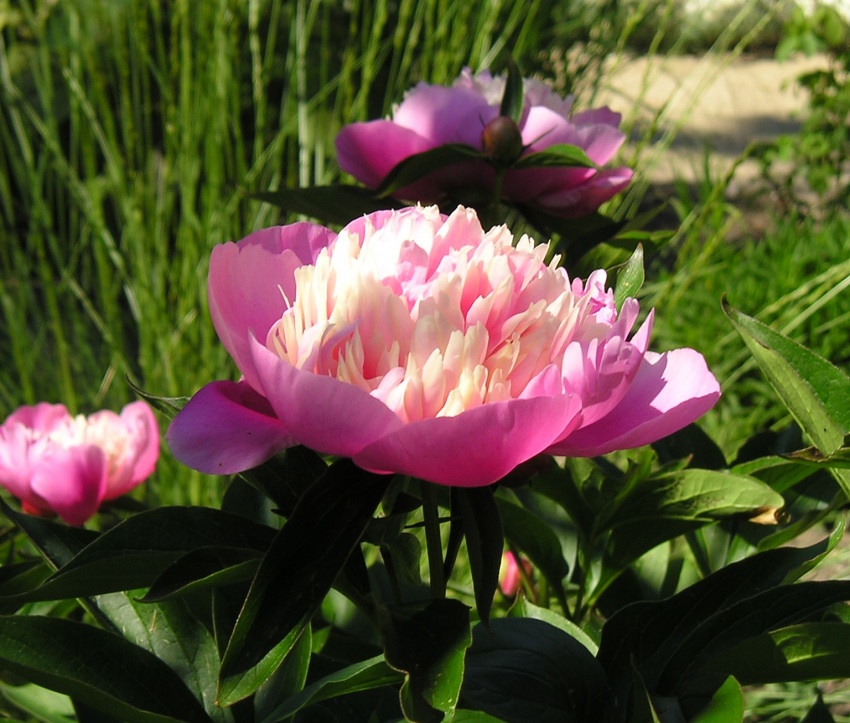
421, 344
54, 462
434, 115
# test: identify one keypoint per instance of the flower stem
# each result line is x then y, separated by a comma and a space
433, 541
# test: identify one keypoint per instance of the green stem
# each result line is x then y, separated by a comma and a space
433, 541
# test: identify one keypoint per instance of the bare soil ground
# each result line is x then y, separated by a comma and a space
717, 103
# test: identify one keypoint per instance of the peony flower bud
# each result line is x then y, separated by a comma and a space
502, 140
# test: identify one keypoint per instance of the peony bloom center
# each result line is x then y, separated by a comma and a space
468, 320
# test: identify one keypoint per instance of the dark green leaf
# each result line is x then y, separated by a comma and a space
134, 552
658, 509
485, 542
819, 713
97, 667
816, 392
419, 165
560, 155
629, 278
19, 578
650, 632
297, 572
513, 97
287, 681
336, 204
366, 675
692, 443
175, 636
428, 645
525, 609
537, 541
808, 651
285, 477
204, 568
725, 706
474, 716
521, 670
56, 541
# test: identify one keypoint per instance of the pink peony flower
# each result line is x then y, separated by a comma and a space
54, 462
421, 344
433, 115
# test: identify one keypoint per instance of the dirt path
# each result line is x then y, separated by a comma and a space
720, 103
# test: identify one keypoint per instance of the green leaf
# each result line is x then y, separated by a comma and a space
819, 713
335, 204
807, 651
366, 675
297, 572
43, 704
521, 669
560, 155
417, 166
202, 569
175, 636
134, 552
288, 680
485, 542
428, 645
660, 508
97, 667
474, 716
57, 542
816, 392
725, 706
513, 96
649, 633
525, 609
537, 541
169, 406
629, 278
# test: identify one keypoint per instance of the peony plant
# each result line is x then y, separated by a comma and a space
413, 337
474, 113
69, 465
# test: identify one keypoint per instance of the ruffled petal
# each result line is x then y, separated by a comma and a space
226, 428
670, 391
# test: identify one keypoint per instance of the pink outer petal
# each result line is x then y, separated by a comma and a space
477, 447
368, 151
226, 428
142, 449
587, 197
435, 112
670, 391
249, 283
323, 413
72, 481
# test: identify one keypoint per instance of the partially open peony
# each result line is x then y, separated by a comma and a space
55, 462
421, 344
434, 115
